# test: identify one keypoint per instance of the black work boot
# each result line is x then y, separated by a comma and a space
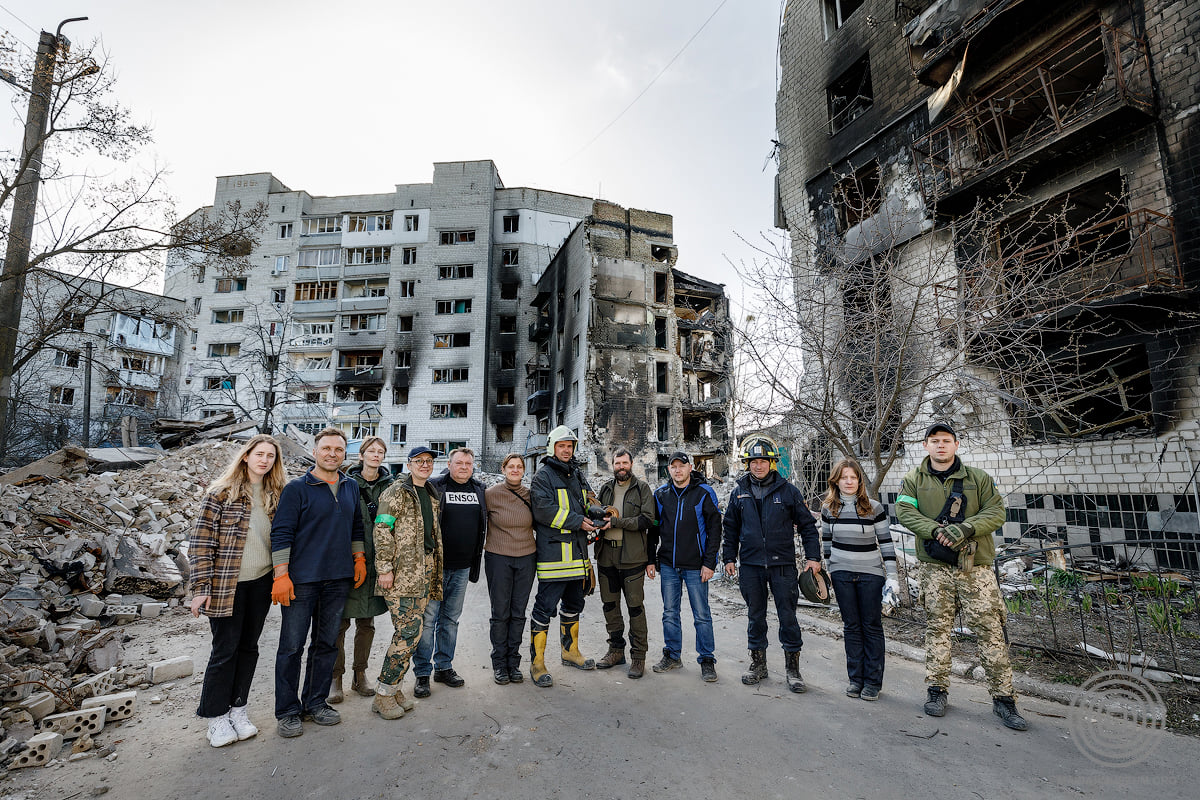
935, 706
758, 668
1006, 709
422, 688
667, 663
795, 682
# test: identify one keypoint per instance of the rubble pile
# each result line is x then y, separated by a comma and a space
80, 555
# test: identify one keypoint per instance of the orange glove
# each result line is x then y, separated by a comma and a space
282, 590
360, 569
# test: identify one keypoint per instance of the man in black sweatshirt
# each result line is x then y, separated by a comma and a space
689, 535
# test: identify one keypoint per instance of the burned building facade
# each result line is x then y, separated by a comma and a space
1048, 153
400, 314
630, 351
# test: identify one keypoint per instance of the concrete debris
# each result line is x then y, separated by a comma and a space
38, 750
82, 552
170, 669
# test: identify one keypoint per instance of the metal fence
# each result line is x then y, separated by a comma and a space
1117, 613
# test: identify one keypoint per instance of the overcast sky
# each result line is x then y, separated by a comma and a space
355, 97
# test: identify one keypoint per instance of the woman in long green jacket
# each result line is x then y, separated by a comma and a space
363, 605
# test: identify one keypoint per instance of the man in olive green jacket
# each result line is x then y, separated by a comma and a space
953, 510
621, 558
408, 559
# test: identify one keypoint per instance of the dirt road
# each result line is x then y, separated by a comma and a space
601, 735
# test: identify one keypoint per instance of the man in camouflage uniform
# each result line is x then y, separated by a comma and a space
953, 510
408, 560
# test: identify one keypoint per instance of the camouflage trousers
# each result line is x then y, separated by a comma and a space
408, 613
943, 590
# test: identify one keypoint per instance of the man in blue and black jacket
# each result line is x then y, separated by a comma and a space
688, 537
760, 530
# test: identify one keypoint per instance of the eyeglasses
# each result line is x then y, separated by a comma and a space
423, 462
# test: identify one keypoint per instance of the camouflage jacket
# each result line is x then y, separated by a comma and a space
400, 542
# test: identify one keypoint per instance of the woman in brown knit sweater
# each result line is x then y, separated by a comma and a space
510, 563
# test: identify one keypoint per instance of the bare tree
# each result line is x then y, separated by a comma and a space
255, 374
99, 216
1014, 311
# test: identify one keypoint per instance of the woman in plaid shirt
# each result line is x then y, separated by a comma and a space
230, 556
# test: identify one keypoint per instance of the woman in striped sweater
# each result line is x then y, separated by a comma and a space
857, 543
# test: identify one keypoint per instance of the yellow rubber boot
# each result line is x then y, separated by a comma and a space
537, 655
569, 627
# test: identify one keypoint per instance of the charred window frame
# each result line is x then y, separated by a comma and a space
1086, 392
856, 196
850, 95
836, 12
447, 411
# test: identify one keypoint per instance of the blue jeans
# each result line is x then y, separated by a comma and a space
860, 599
441, 625
316, 607
673, 581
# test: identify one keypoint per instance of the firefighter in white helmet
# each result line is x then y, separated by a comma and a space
561, 500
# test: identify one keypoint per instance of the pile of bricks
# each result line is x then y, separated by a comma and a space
81, 556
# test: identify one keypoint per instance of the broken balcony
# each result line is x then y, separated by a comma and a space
1096, 83
1131, 253
538, 403
359, 376
539, 330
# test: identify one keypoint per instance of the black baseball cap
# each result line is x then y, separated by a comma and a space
420, 450
940, 427
679, 455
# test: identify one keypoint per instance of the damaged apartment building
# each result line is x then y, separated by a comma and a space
1049, 153
94, 360
631, 352
407, 314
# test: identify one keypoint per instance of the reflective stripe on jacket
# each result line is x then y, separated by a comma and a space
559, 494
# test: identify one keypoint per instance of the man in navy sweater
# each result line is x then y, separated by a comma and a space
689, 535
317, 549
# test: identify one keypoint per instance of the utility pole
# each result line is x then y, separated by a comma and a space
20, 229
87, 396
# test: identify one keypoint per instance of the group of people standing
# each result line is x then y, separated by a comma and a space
330, 547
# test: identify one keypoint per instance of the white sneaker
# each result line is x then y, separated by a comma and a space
241, 723
221, 732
